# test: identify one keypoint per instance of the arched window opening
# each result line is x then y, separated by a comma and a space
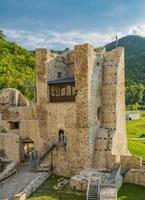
61, 136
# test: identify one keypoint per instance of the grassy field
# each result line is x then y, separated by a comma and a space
131, 192
47, 192
137, 148
135, 129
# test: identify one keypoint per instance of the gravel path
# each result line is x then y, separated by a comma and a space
17, 182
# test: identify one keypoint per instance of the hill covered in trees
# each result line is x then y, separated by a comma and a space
134, 68
16, 67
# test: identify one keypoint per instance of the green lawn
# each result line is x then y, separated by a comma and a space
131, 192
46, 192
137, 148
135, 128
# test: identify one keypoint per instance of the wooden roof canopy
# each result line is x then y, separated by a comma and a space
70, 79
62, 90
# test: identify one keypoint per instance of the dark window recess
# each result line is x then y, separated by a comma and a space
62, 92
98, 112
14, 125
2, 153
59, 74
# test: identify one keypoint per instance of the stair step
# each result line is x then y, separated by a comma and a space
93, 194
93, 187
44, 167
96, 198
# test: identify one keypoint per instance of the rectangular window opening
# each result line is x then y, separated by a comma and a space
14, 125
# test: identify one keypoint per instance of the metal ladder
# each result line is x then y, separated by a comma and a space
93, 190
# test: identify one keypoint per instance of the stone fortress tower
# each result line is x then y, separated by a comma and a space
80, 103
77, 126
82, 94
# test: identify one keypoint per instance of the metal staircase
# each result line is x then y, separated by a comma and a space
93, 190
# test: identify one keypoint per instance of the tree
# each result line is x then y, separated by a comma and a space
16, 67
2, 35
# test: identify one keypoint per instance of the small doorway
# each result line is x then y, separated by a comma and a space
27, 147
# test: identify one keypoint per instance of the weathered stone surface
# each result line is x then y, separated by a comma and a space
108, 193
33, 185
131, 162
20, 180
136, 176
12, 97
10, 169
10, 143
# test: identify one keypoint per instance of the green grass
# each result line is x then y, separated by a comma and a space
131, 192
135, 128
46, 192
137, 148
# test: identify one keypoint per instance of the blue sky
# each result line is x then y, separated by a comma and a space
57, 24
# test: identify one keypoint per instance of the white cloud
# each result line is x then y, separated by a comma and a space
60, 40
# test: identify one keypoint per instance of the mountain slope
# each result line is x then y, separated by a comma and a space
134, 57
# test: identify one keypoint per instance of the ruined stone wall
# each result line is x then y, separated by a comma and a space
111, 137
132, 162
12, 97
28, 127
62, 116
121, 137
43, 57
108, 118
113, 101
55, 66
53, 117
94, 98
11, 146
81, 82
135, 176
63, 64
70, 68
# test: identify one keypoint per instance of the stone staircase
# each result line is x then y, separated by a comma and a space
45, 166
37, 162
93, 190
49, 147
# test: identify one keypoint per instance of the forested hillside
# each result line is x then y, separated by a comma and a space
16, 67
134, 69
